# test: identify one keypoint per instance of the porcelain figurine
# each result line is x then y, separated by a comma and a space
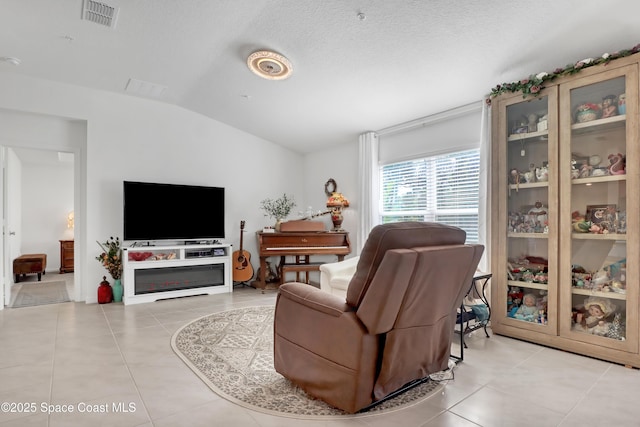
598, 316
532, 122
542, 173
529, 176
622, 104
617, 164
515, 177
575, 173
528, 311
585, 170
609, 106
539, 218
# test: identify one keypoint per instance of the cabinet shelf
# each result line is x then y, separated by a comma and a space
600, 124
541, 135
592, 236
599, 179
529, 285
589, 292
529, 235
529, 185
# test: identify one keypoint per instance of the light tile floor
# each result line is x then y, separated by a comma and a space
97, 355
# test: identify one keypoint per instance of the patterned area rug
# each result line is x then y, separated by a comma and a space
232, 352
41, 293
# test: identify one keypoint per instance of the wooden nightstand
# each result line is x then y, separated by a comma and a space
66, 256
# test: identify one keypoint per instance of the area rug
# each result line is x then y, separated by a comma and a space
232, 352
41, 293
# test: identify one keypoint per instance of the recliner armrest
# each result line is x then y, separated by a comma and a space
314, 298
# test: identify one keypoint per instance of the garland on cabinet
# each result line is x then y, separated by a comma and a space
532, 85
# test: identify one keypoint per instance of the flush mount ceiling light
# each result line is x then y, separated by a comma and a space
269, 65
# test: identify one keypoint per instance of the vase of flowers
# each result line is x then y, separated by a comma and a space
278, 209
111, 259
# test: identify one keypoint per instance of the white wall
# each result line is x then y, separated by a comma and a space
47, 198
341, 164
137, 139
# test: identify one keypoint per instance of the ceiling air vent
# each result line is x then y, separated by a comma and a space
100, 13
143, 88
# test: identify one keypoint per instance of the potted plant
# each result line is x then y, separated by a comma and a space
279, 208
111, 259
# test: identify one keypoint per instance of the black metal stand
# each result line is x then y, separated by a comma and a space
408, 386
465, 316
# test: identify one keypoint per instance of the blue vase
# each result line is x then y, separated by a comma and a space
117, 290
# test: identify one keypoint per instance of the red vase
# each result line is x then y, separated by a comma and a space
105, 293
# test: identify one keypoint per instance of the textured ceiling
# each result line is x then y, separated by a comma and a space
405, 60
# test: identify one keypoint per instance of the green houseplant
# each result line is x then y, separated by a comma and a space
279, 208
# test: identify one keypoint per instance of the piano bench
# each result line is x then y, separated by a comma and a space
298, 268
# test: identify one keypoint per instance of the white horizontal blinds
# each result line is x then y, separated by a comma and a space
404, 191
458, 190
441, 189
429, 169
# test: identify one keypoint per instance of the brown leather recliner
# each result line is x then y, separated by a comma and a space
395, 326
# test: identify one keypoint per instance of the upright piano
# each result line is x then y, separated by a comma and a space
301, 245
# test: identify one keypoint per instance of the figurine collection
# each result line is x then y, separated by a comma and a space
596, 315
530, 306
532, 219
611, 105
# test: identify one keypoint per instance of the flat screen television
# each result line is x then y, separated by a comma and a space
155, 211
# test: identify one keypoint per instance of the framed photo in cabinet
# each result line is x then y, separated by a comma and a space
602, 215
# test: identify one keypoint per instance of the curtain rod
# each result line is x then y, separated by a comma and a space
434, 118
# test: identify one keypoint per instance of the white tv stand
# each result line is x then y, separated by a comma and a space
151, 273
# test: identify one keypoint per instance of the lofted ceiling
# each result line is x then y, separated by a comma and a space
358, 65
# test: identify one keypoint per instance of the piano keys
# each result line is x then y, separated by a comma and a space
301, 245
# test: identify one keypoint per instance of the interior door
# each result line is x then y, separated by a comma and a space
11, 218
4, 282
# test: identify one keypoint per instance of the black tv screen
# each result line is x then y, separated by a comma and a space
154, 211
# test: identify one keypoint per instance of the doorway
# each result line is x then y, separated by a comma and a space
46, 134
39, 201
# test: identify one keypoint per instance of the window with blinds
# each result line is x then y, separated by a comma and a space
441, 188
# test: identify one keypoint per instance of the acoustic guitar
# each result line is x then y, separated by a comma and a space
242, 269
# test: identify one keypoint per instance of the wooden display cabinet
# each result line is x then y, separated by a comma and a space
566, 213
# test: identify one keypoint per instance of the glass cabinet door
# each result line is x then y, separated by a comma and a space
528, 243
599, 194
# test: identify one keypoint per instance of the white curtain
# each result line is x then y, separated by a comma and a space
484, 226
368, 185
